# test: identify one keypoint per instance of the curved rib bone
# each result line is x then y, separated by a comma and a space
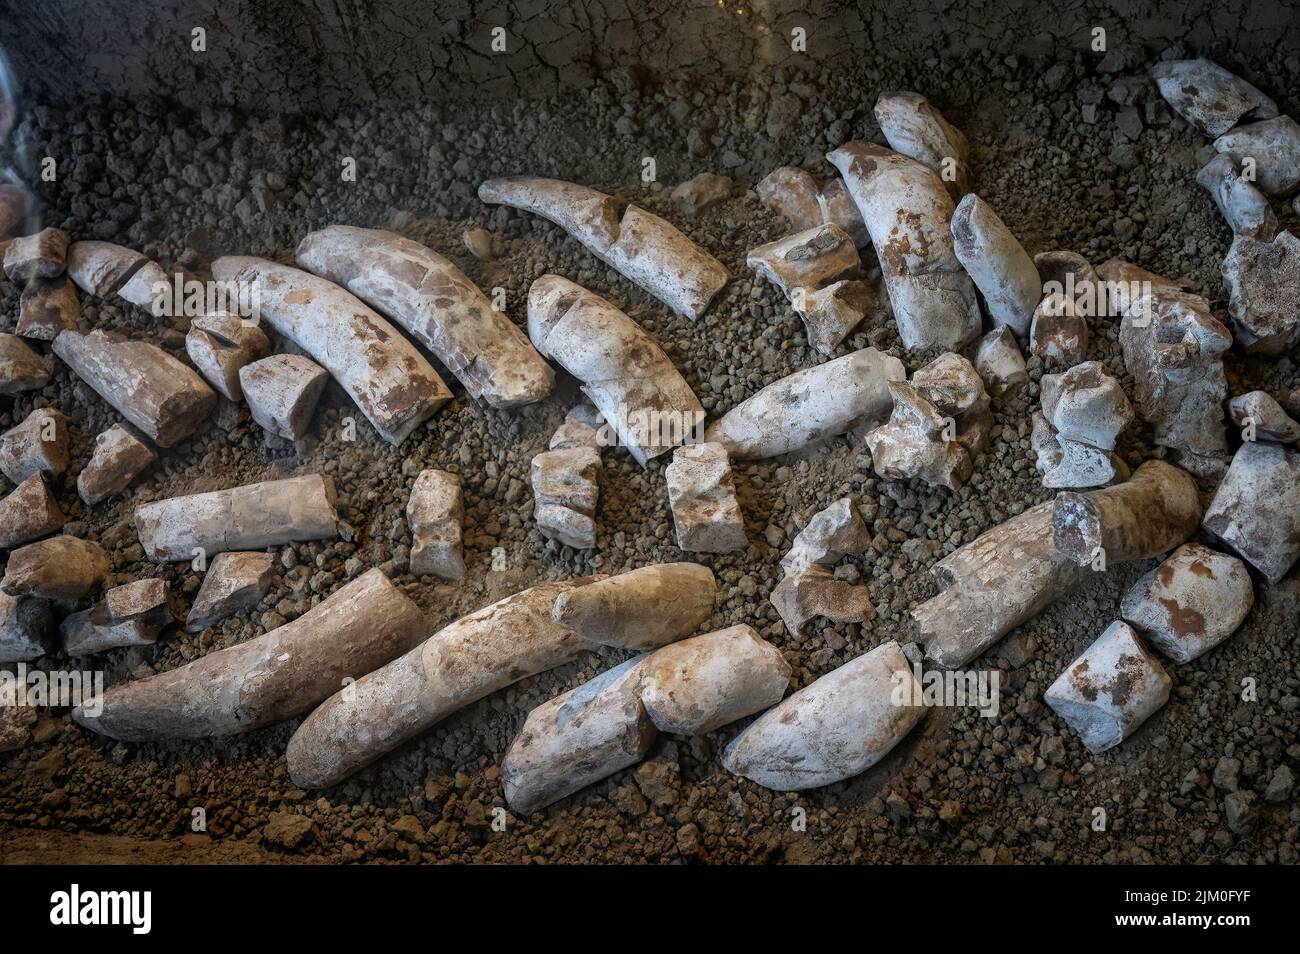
624, 372
913, 127
433, 299
907, 212
642, 247
628, 610
999, 265
266, 680
390, 381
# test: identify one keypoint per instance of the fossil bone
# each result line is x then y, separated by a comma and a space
1083, 412
1257, 412
220, 346
913, 127
1273, 147
998, 264
41, 255
435, 515
282, 392
24, 630
234, 582
1263, 282
1059, 330
1245, 208
835, 728
809, 405
248, 517
702, 495
640, 609
390, 381
1256, 509
907, 212
1208, 96
118, 459
102, 268
21, 368
30, 512
58, 568
999, 363
47, 307
39, 445
266, 680
161, 396
644, 248
431, 298
792, 193
566, 487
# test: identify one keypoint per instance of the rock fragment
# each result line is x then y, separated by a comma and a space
907, 212
1262, 418
60, 568
249, 517
48, 306
1273, 146
271, 678
1256, 509
998, 264
1191, 602
1263, 283
913, 127
146, 600
118, 459
940, 422
1083, 412
834, 728
1244, 207
644, 248
1209, 97
41, 255
829, 314
434, 514
792, 193
641, 609
810, 405
591, 732
702, 495
220, 346
24, 630
623, 371
234, 582
39, 445
1110, 690
30, 512
21, 368
808, 589
282, 392
383, 373
162, 397
101, 268
699, 192
437, 303
999, 363
566, 487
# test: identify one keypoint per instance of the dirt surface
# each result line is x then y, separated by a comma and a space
1074, 151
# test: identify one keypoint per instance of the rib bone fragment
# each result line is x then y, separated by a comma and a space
641, 609
282, 392
999, 265
810, 405
268, 679
913, 127
623, 370
165, 399
390, 381
642, 247
431, 298
250, 517
907, 212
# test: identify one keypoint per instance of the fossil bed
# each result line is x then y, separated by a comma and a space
1074, 150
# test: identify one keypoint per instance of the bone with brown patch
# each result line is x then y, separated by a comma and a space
634, 385
390, 381
907, 211
273, 677
431, 298
1209, 97
810, 405
471, 658
161, 396
610, 722
21, 368
249, 517
1010, 573
642, 247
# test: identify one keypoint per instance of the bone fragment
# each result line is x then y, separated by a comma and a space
1083, 412
93, 631
623, 370
808, 588
566, 487
266, 680
998, 264
792, 193
838, 208
24, 629
21, 368
249, 517
162, 397
390, 381
1256, 509
431, 298
810, 405
1059, 330
47, 307
999, 363
834, 728
1244, 207
1263, 417
59, 568
830, 313
1209, 97
702, 495
1263, 282
1273, 147
805, 260
1191, 602
907, 212
30, 512
1110, 690
435, 515
1068, 273
913, 127
220, 346
688, 688
101, 268
39, 445
41, 255
234, 582
145, 600
641, 609
118, 459
700, 192
644, 248
282, 392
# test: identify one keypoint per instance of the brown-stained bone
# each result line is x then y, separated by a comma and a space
266, 680
47, 307
119, 457
803, 261
60, 568
42, 255
28, 513
390, 381
93, 631
644, 248
1209, 97
21, 368
164, 398
792, 193
642, 609
1059, 330
431, 298
248, 517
